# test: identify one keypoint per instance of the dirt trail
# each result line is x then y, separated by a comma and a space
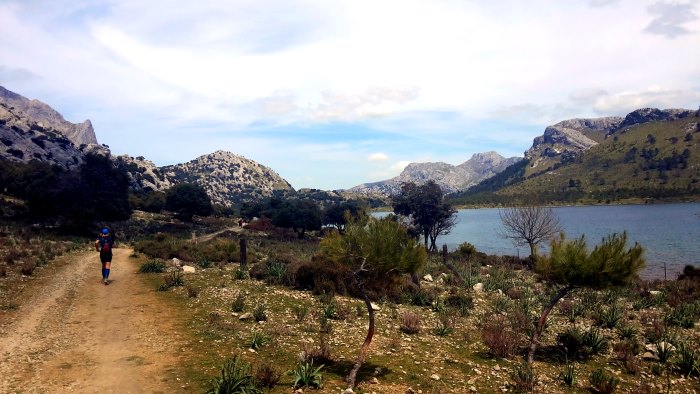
76, 334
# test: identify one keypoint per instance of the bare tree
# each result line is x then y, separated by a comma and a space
529, 225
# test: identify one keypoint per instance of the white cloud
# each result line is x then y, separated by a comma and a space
399, 166
670, 18
378, 157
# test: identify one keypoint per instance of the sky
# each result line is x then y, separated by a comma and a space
334, 93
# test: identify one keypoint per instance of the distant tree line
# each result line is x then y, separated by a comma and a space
96, 190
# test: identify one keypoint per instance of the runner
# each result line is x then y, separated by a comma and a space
104, 245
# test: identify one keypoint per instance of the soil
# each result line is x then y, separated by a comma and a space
73, 333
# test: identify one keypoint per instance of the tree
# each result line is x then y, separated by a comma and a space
570, 266
105, 187
337, 214
374, 253
426, 209
187, 200
299, 215
529, 225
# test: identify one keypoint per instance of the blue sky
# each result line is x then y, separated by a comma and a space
334, 93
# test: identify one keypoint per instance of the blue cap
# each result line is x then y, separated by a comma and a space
105, 231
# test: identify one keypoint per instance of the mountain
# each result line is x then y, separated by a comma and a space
26, 136
47, 118
228, 177
650, 153
450, 178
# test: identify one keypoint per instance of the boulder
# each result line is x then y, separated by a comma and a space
188, 269
376, 307
428, 278
479, 287
245, 316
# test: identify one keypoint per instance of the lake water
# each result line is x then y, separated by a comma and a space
669, 233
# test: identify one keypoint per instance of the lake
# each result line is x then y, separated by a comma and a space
669, 233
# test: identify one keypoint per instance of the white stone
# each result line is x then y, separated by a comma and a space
348, 391
246, 316
472, 389
374, 381
176, 261
376, 307
428, 278
435, 376
188, 269
478, 287
654, 292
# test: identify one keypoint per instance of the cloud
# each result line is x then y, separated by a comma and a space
378, 157
399, 166
623, 103
670, 18
602, 3
9, 74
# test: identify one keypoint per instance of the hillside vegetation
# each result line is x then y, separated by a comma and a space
654, 160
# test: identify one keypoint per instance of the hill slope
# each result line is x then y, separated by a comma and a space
650, 153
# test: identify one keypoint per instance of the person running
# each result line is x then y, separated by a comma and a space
104, 245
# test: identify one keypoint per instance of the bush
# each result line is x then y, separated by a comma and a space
174, 279
27, 268
235, 378
568, 376
524, 378
300, 311
688, 361
259, 313
267, 375
572, 342
602, 382
152, 266
192, 292
499, 338
594, 342
410, 323
258, 340
462, 302
305, 375
445, 325
609, 317
683, 316
238, 304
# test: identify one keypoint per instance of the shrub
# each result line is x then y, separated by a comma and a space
174, 279
27, 268
627, 332
343, 312
499, 338
500, 304
602, 382
656, 331
410, 323
568, 376
300, 311
421, 297
466, 249
238, 304
305, 375
572, 342
688, 361
627, 349
259, 313
663, 350
595, 342
152, 266
499, 278
192, 292
608, 317
572, 310
445, 324
275, 271
683, 316
267, 375
524, 378
462, 302
258, 340
328, 310
235, 378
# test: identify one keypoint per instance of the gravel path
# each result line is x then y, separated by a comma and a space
76, 334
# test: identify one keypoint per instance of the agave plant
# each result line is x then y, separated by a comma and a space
305, 375
235, 379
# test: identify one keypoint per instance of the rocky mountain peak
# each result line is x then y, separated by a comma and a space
450, 178
48, 118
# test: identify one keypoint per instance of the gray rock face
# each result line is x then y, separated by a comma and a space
228, 177
645, 115
570, 137
23, 139
47, 118
450, 178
